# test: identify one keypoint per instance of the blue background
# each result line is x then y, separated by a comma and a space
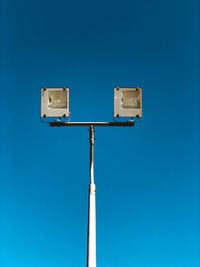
146, 177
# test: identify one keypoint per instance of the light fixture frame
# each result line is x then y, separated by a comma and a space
121, 112
58, 112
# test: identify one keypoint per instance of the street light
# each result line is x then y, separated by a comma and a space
55, 102
127, 103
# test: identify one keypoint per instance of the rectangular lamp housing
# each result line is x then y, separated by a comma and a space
55, 102
127, 102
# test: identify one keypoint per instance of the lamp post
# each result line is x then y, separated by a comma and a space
91, 239
54, 102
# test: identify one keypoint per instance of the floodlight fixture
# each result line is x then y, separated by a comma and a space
55, 102
128, 102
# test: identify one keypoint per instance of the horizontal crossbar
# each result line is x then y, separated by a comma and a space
113, 124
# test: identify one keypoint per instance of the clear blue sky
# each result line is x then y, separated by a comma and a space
146, 177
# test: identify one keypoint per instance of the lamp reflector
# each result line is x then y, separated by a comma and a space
130, 99
57, 99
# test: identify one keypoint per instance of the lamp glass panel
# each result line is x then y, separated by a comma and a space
130, 99
57, 99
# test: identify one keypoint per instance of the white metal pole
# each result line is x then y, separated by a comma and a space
91, 238
91, 245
